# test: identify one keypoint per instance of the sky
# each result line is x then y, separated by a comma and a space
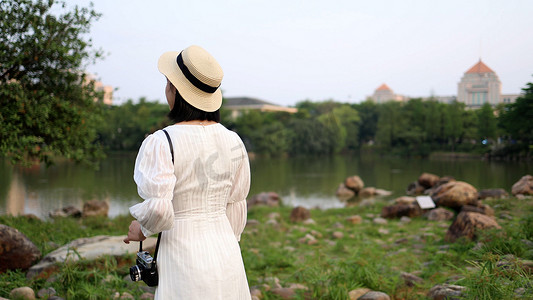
287, 51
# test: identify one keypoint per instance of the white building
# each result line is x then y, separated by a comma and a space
384, 94
481, 85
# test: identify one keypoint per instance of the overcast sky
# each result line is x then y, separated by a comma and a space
288, 51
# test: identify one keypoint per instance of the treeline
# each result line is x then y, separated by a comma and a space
415, 127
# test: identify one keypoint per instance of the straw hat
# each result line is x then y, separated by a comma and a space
196, 75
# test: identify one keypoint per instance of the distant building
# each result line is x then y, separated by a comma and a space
100, 87
481, 85
442, 99
239, 105
108, 92
384, 94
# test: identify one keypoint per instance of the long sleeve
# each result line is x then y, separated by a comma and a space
236, 209
155, 179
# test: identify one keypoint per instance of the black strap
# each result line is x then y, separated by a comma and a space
192, 79
170, 144
159, 235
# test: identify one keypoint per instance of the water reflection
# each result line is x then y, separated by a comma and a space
310, 182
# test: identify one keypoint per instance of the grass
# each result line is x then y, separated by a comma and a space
367, 255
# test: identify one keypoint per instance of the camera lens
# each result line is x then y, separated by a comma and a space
135, 273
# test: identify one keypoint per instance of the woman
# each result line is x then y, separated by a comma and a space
199, 202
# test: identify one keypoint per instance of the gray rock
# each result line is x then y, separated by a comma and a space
467, 224
46, 293
344, 193
68, 211
373, 295
24, 292
16, 250
446, 291
400, 210
95, 208
524, 186
411, 279
428, 180
355, 294
89, 248
299, 214
492, 194
439, 214
455, 194
355, 183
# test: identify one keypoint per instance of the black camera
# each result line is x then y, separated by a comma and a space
145, 269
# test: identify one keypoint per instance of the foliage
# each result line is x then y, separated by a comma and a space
47, 103
413, 128
515, 120
127, 125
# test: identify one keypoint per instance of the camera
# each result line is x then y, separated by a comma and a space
145, 269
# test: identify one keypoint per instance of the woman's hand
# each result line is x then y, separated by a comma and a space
134, 233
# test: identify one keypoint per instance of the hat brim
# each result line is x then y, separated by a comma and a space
168, 66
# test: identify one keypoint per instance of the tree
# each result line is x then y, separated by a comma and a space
368, 112
516, 117
47, 103
486, 122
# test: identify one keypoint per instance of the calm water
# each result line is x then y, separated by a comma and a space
308, 182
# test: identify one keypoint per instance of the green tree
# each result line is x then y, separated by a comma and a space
368, 114
47, 104
486, 122
516, 117
453, 125
391, 124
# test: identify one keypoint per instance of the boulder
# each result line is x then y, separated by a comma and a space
16, 250
405, 200
492, 194
400, 210
467, 224
446, 291
411, 279
355, 294
414, 188
524, 186
68, 211
299, 214
374, 295
428, 180
269, 199
440, 214
355, 183
455, 194
443, 180
24, 292
89, 248
382, 192
482, 209
367, 192
95, 208
344, 193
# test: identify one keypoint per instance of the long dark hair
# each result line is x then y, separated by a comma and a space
183, 111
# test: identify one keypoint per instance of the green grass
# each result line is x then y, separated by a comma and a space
330, 268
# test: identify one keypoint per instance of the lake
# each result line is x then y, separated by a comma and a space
310, 182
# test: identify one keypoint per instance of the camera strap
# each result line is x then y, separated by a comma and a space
159, 235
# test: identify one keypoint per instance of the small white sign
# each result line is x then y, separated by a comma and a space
425, 202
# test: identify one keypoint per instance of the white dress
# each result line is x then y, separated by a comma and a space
199, 204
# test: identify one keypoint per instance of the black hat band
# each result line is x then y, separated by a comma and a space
192, 79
